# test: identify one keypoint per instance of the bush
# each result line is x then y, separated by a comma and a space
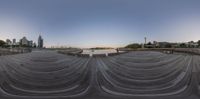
134, 46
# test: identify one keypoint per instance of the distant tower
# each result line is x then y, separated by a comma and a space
145, 40
14, 41
40, 42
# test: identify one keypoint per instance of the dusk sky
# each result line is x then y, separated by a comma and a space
91, 23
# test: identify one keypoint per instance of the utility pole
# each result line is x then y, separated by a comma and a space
145, 42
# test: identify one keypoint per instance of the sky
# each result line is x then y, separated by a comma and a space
100, 23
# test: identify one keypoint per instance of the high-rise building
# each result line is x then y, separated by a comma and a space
8, 42
40, 42
24, 41
14, 42
30, 43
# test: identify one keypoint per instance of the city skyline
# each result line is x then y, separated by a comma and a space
94, 23
24, 42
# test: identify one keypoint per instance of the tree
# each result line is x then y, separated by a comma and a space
183, 45
149, 43
191, 42
168, 45
134, 46
2, 43
198, 43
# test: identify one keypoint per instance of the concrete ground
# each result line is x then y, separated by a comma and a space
133, 75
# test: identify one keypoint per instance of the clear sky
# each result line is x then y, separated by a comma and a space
91, 23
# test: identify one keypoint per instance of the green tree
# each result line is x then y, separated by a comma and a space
198, 43
134, 46
183, 45
168, 45
2, 43
149, 43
